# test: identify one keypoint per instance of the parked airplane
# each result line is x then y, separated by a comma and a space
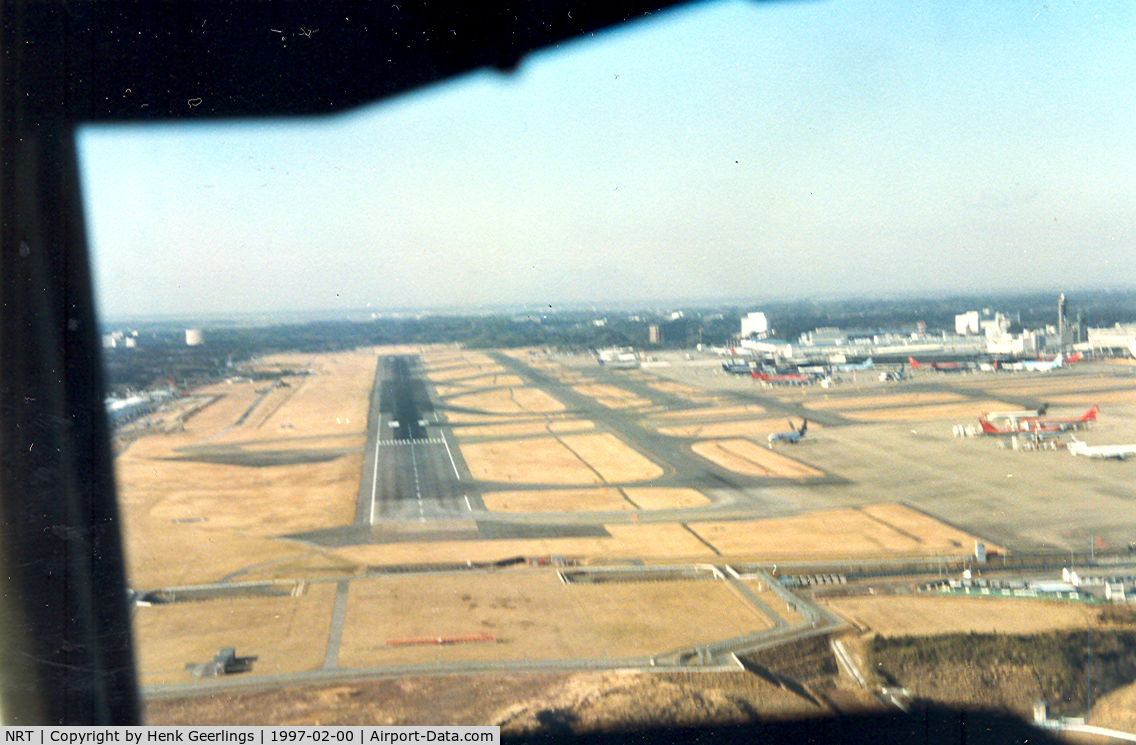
1017, 428
1041, 366
1120, 452
1035, 423
736, 368
1015, 415
849, 367
1068, 423
793, 436
940, 366
780, 379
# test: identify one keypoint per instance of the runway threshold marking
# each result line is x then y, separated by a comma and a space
419, 441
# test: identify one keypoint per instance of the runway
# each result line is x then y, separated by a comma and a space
411, 469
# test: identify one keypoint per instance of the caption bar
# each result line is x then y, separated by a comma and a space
250, 735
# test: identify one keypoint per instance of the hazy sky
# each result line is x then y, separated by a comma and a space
724, 150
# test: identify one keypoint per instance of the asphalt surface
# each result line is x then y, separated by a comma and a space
414, 473
682, 467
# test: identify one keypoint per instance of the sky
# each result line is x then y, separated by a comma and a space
723, 150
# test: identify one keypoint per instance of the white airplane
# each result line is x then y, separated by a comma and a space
793, 436
1040, 366
850, 367
1120, 452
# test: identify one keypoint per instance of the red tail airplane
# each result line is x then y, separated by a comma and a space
1017, 429
1026, 424
940, 366
1088, 416
787, 379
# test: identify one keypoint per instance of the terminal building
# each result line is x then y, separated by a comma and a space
1115, 340
755, 326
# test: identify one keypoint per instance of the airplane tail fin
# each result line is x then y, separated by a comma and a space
1059, 360
804, 427
987, 427
911, 361
1091, 414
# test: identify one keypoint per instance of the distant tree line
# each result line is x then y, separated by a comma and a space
161, 354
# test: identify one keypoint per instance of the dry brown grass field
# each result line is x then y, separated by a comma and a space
525, 428
192, 518
1116, 710
557, 500
450, 373
716, 412
745, 456
1114, 398
533, 615
761, 428
612, 396
648, 541
922, 615
615, 461
286, 634
535, 460
626, 499
509, 401
872, 531
569, 459
882, 400
659, 498
929, 413
188, 519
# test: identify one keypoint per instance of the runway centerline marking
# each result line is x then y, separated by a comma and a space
417, 482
